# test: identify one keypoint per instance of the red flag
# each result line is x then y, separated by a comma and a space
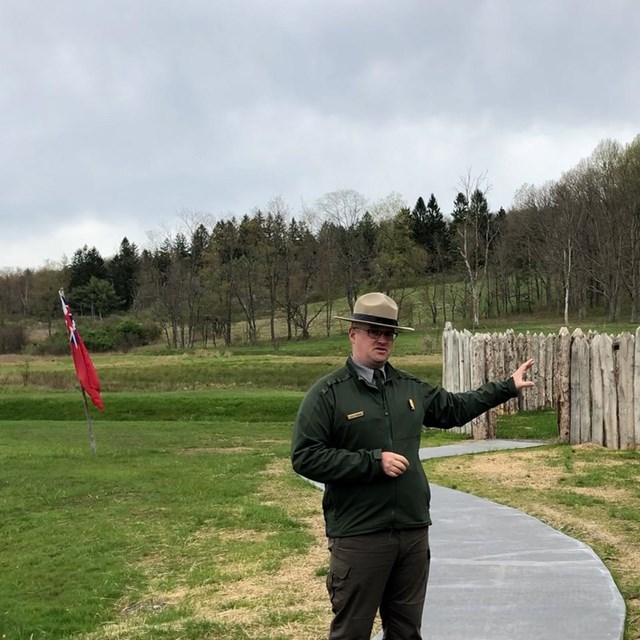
85, 370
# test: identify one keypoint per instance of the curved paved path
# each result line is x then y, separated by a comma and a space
499, 574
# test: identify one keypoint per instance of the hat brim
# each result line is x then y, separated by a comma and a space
375, 324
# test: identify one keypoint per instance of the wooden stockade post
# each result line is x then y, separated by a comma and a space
591, 380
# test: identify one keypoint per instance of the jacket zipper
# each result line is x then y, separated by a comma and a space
387, 416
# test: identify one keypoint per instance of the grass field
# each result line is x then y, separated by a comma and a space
190, 372
190, 524
164, 506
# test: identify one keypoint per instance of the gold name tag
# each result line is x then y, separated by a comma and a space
353, 416
412, 406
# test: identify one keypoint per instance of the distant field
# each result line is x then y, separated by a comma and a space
192, 371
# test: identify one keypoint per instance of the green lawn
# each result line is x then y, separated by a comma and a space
190, 524
77, 531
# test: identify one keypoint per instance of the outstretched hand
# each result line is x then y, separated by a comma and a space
520, 373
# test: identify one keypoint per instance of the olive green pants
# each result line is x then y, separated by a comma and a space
386, 571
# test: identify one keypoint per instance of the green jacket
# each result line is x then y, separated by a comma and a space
343, 426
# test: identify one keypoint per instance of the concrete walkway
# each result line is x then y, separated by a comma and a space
499, 574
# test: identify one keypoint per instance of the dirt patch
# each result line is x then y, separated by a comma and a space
198, 451
606, 494
152, 606
509, 469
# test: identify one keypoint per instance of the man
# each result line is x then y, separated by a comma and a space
358, 432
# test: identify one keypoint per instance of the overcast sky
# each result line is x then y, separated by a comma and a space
118, 116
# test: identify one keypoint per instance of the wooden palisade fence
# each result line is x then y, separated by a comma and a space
590, 380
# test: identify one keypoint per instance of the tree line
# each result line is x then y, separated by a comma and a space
571, 246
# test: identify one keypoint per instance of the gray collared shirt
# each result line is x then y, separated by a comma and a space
366, 373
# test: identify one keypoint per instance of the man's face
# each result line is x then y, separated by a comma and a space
371, 351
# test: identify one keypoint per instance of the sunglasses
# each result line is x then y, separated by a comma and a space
376, 334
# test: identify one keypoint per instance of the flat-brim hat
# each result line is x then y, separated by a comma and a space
376, 309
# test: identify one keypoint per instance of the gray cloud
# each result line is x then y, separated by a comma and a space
127, 113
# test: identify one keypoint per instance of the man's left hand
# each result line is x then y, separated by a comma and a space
520, 373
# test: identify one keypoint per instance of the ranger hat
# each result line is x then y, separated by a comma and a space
376, 309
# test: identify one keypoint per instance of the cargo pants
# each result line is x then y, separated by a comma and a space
386, 571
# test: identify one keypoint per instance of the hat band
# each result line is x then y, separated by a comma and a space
365, 317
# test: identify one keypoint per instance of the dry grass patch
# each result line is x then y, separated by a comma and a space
295, 594
296, 591
290, 602
500, 470
196, 451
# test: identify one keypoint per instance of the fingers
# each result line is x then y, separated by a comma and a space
528, 364
525, 366
519, 375
394, 464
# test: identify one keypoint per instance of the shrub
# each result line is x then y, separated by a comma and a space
95, 339
124, 335
12, 338
129, 333
56, 345
100, 338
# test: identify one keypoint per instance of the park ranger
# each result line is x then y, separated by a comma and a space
358, 432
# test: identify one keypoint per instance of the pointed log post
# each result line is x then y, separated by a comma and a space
597, 391
521, 356
511, 365
491, 423
609, 397
625, 363
479, 425
550, 372
636, 389
564, 385
447, 337
540, 368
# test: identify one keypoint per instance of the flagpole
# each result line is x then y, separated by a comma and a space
86, 372
87, 413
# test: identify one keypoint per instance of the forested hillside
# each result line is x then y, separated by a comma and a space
570, 247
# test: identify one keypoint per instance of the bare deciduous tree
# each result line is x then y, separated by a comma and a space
473, 225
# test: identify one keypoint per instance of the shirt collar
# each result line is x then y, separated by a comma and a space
364, 372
